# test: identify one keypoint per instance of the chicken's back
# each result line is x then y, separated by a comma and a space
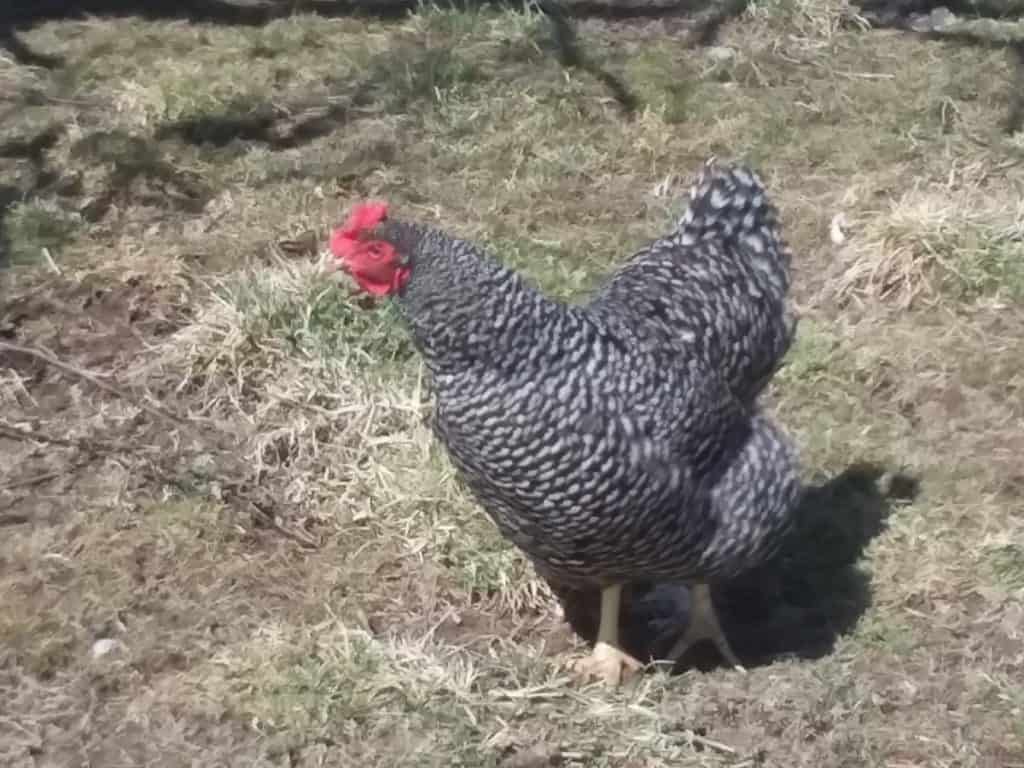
714, 290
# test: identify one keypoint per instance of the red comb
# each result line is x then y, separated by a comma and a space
363, 216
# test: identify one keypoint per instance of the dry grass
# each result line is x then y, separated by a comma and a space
941, 239
293, 575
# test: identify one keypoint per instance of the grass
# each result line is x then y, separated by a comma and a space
1008, 565
314, 319
951, 239
32, 227
184, 177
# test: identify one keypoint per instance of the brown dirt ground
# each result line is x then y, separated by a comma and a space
252, 517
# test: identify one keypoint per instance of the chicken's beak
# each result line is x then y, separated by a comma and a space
329, 263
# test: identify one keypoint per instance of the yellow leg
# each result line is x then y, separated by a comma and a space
704, 626
608, 662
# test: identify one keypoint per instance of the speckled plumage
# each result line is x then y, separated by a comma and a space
619, 440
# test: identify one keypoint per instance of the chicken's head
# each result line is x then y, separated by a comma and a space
375, 264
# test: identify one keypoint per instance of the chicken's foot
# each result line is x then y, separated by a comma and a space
704, 626
608, 662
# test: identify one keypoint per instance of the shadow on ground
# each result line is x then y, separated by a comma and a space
797, 605
26, 14
259, 12
264, 124
131, 169
232, 12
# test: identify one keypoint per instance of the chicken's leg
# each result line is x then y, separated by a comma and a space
608, 661
704, 626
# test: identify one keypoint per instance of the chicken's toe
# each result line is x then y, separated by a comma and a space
704, 625
608, 664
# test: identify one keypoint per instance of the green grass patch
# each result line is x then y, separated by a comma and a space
320, 319
1007, 565
34, 225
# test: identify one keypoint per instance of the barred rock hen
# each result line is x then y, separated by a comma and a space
617, 441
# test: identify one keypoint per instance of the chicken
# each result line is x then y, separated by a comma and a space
617, 441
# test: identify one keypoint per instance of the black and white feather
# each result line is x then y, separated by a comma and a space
620, 440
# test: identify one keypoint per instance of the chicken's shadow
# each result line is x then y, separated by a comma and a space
797, 605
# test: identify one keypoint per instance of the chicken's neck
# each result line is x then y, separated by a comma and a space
466, 311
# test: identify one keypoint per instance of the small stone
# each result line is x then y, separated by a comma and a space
835, 230
720, 53
105, 646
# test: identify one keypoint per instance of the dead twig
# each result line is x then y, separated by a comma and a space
48, 258
14, 518
34, 480
92, 448
92, 378
259, 504
264, 512
30, 435
29, 481
711, 744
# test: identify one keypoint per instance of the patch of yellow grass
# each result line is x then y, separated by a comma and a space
967, 232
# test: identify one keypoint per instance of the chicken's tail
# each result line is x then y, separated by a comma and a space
729, 202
